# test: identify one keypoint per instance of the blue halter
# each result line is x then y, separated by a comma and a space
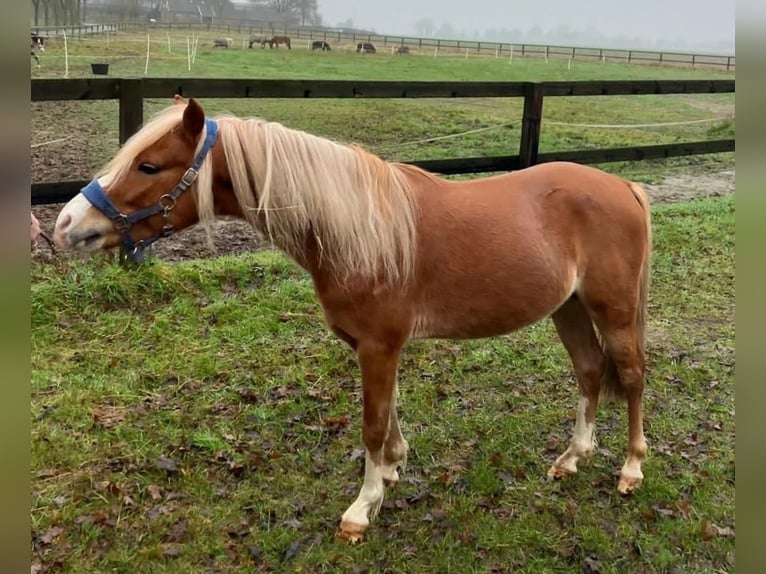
96, 194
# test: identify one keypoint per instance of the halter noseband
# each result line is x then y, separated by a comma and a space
96, 195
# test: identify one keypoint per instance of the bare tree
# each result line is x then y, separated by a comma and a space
57, 12
425, 27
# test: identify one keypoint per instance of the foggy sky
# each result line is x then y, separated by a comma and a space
667, 24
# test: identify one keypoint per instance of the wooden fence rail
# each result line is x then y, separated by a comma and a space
131, 92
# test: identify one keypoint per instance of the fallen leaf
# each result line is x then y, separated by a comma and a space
171, 553
241, 532
249, 396
155, 491
708, 533
167, 464
437, 513
292, 550
724, 531
335, 424
50, 535
591, 565
664, 512
178, 531
107, 417
710, 530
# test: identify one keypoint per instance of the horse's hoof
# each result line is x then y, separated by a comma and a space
558, 473
627, 485
351, 532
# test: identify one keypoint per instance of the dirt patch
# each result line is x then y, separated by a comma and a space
684, 187
234, 237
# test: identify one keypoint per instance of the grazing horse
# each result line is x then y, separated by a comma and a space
365, 48
396, 253
277, 40
262, 40
320, 45
223, 42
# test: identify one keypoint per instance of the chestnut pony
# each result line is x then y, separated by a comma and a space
396, 253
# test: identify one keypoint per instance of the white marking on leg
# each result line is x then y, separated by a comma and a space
632, 468
584, 432
583, 441
367, 504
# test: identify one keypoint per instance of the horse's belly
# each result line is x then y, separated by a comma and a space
485, 315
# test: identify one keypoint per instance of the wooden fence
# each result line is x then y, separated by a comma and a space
500, 49
131, 93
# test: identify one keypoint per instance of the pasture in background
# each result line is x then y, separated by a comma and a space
395, 129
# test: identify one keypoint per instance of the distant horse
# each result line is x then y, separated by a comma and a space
396, 253
320, 45
223, 42
365, 48
403, 50
37, 45
277, 40
262, 40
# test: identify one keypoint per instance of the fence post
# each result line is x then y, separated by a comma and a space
131, 107
530, 124
728, 63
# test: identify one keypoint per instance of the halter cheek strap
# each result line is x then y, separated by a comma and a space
96, 195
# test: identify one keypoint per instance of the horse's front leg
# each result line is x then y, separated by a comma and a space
379, 363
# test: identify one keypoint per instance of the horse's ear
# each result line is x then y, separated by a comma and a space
194, 120
177, 99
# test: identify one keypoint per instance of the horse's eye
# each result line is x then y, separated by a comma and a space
148, 168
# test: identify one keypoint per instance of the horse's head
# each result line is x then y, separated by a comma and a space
141, 194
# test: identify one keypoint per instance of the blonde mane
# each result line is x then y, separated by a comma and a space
359, 209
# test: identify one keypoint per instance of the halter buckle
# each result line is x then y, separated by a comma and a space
167, 230
121, 223
188, 177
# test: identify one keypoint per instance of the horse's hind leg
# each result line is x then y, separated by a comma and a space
621, 336
575, 329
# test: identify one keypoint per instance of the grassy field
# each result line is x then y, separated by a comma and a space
390, 128
199, 417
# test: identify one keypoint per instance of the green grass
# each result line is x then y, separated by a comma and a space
388, 126
225, 367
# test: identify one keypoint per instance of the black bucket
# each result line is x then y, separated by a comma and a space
100, 69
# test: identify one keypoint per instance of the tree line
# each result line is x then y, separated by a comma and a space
76, 12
